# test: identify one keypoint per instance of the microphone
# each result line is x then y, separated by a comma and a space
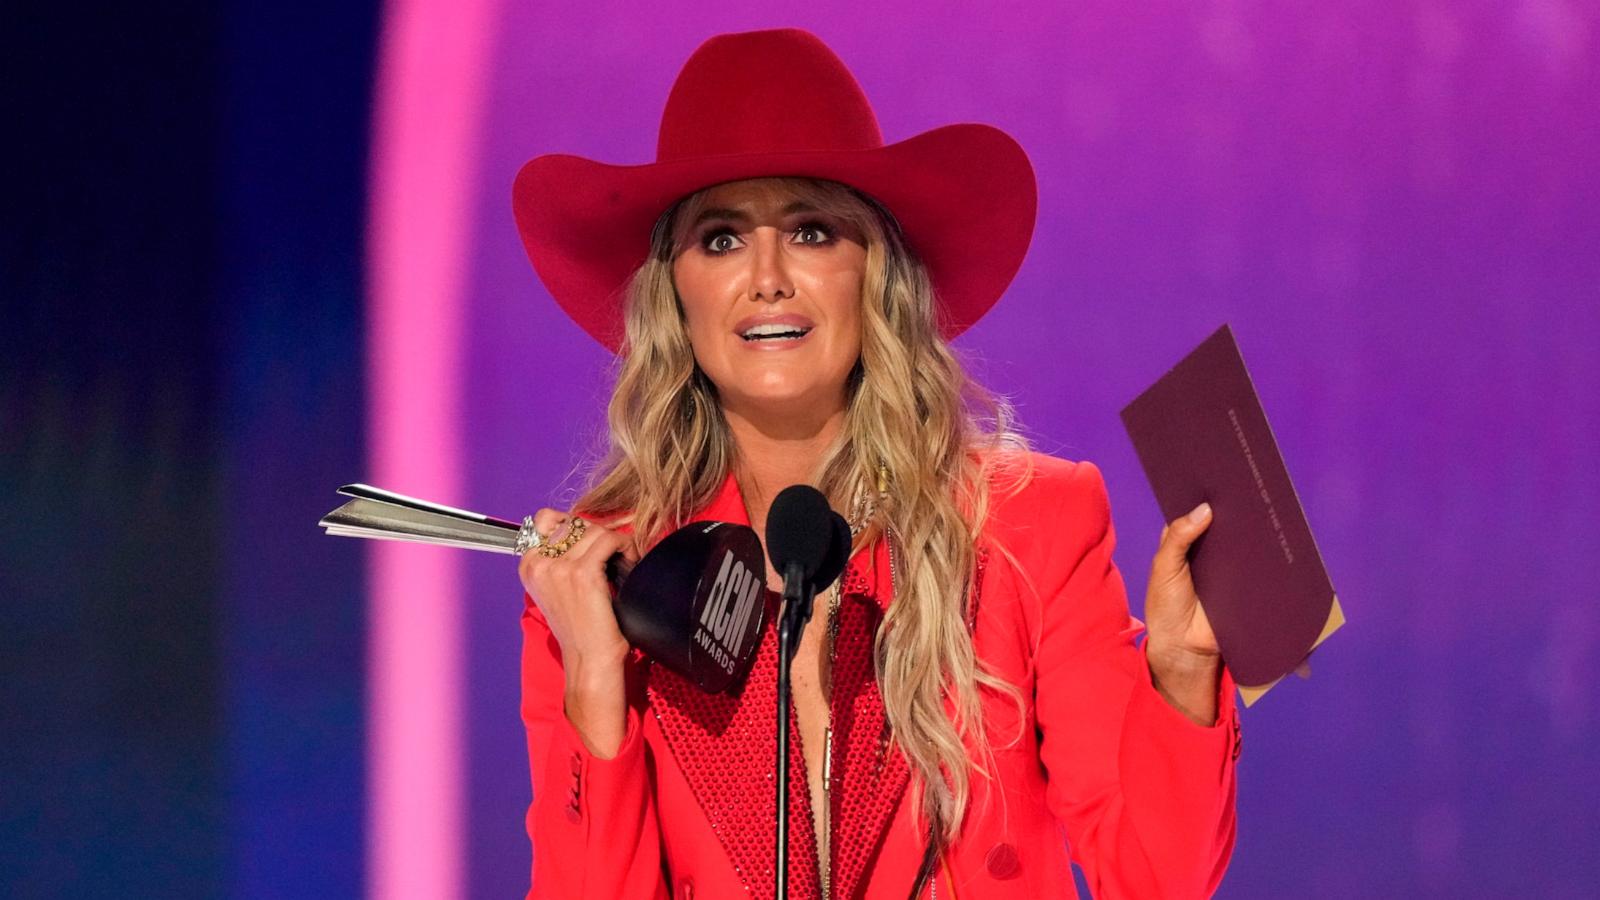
694, 603
809, 543
800, 536
838, 552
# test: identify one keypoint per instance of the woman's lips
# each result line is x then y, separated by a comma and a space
774, 332
786, 342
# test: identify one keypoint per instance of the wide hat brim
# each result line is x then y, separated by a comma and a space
964, 195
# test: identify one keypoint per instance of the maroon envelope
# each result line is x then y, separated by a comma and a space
1201, 435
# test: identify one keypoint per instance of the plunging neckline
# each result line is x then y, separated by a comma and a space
811, 679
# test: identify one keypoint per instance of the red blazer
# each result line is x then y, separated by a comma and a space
1143, 797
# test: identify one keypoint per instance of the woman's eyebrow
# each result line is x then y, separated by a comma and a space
734, 215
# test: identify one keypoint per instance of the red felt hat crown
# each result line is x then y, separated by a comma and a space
964, 195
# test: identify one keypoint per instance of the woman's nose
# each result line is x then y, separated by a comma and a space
769, 279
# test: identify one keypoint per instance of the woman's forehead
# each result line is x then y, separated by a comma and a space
757, 199
760, 194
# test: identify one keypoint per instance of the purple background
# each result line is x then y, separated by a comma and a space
1393, 204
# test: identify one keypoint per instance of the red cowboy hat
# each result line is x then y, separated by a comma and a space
964, 195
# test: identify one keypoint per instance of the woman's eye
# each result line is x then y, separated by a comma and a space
723, 240
812, 233
719, 242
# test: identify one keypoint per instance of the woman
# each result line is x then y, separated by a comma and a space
781, 287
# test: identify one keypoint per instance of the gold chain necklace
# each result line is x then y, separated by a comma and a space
863, 511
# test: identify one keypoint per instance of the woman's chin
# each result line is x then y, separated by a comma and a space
786, 398
782, 382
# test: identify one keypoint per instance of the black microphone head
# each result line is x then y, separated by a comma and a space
838, 552
799, 530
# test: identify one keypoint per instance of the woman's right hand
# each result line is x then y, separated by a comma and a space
573, 594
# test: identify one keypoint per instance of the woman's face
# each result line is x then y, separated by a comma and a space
771, 292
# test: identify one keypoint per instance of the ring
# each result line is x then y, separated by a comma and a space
527, 537
574, 535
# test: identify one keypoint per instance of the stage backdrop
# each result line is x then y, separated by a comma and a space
1393, 204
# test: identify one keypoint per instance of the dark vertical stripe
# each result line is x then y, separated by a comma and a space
110, 476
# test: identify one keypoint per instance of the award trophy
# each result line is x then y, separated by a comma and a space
696, 603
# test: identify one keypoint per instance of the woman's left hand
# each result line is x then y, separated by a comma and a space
1185, 661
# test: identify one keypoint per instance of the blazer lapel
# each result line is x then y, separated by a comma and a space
869, 773
725, 745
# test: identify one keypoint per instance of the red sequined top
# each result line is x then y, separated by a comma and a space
1143, 797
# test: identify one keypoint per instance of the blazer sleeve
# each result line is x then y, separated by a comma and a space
1146, 796
592, 821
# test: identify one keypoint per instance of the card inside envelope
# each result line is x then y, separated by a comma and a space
1201, 435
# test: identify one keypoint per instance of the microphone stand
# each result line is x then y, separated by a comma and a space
798, 594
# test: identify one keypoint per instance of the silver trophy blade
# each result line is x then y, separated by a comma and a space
382, 515
369, 492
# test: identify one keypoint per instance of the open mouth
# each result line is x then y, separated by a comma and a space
774, 332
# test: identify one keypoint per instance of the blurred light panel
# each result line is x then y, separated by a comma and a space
432, 68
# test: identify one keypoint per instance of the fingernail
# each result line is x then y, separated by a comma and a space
1200, 512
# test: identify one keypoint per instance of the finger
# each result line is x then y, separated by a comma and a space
531, 569
610, 553
1180, 534
596, 543
547, 520
630, 550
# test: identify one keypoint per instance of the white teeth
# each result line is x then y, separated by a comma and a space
773, 330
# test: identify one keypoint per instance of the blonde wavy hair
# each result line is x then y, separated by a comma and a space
912, 412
